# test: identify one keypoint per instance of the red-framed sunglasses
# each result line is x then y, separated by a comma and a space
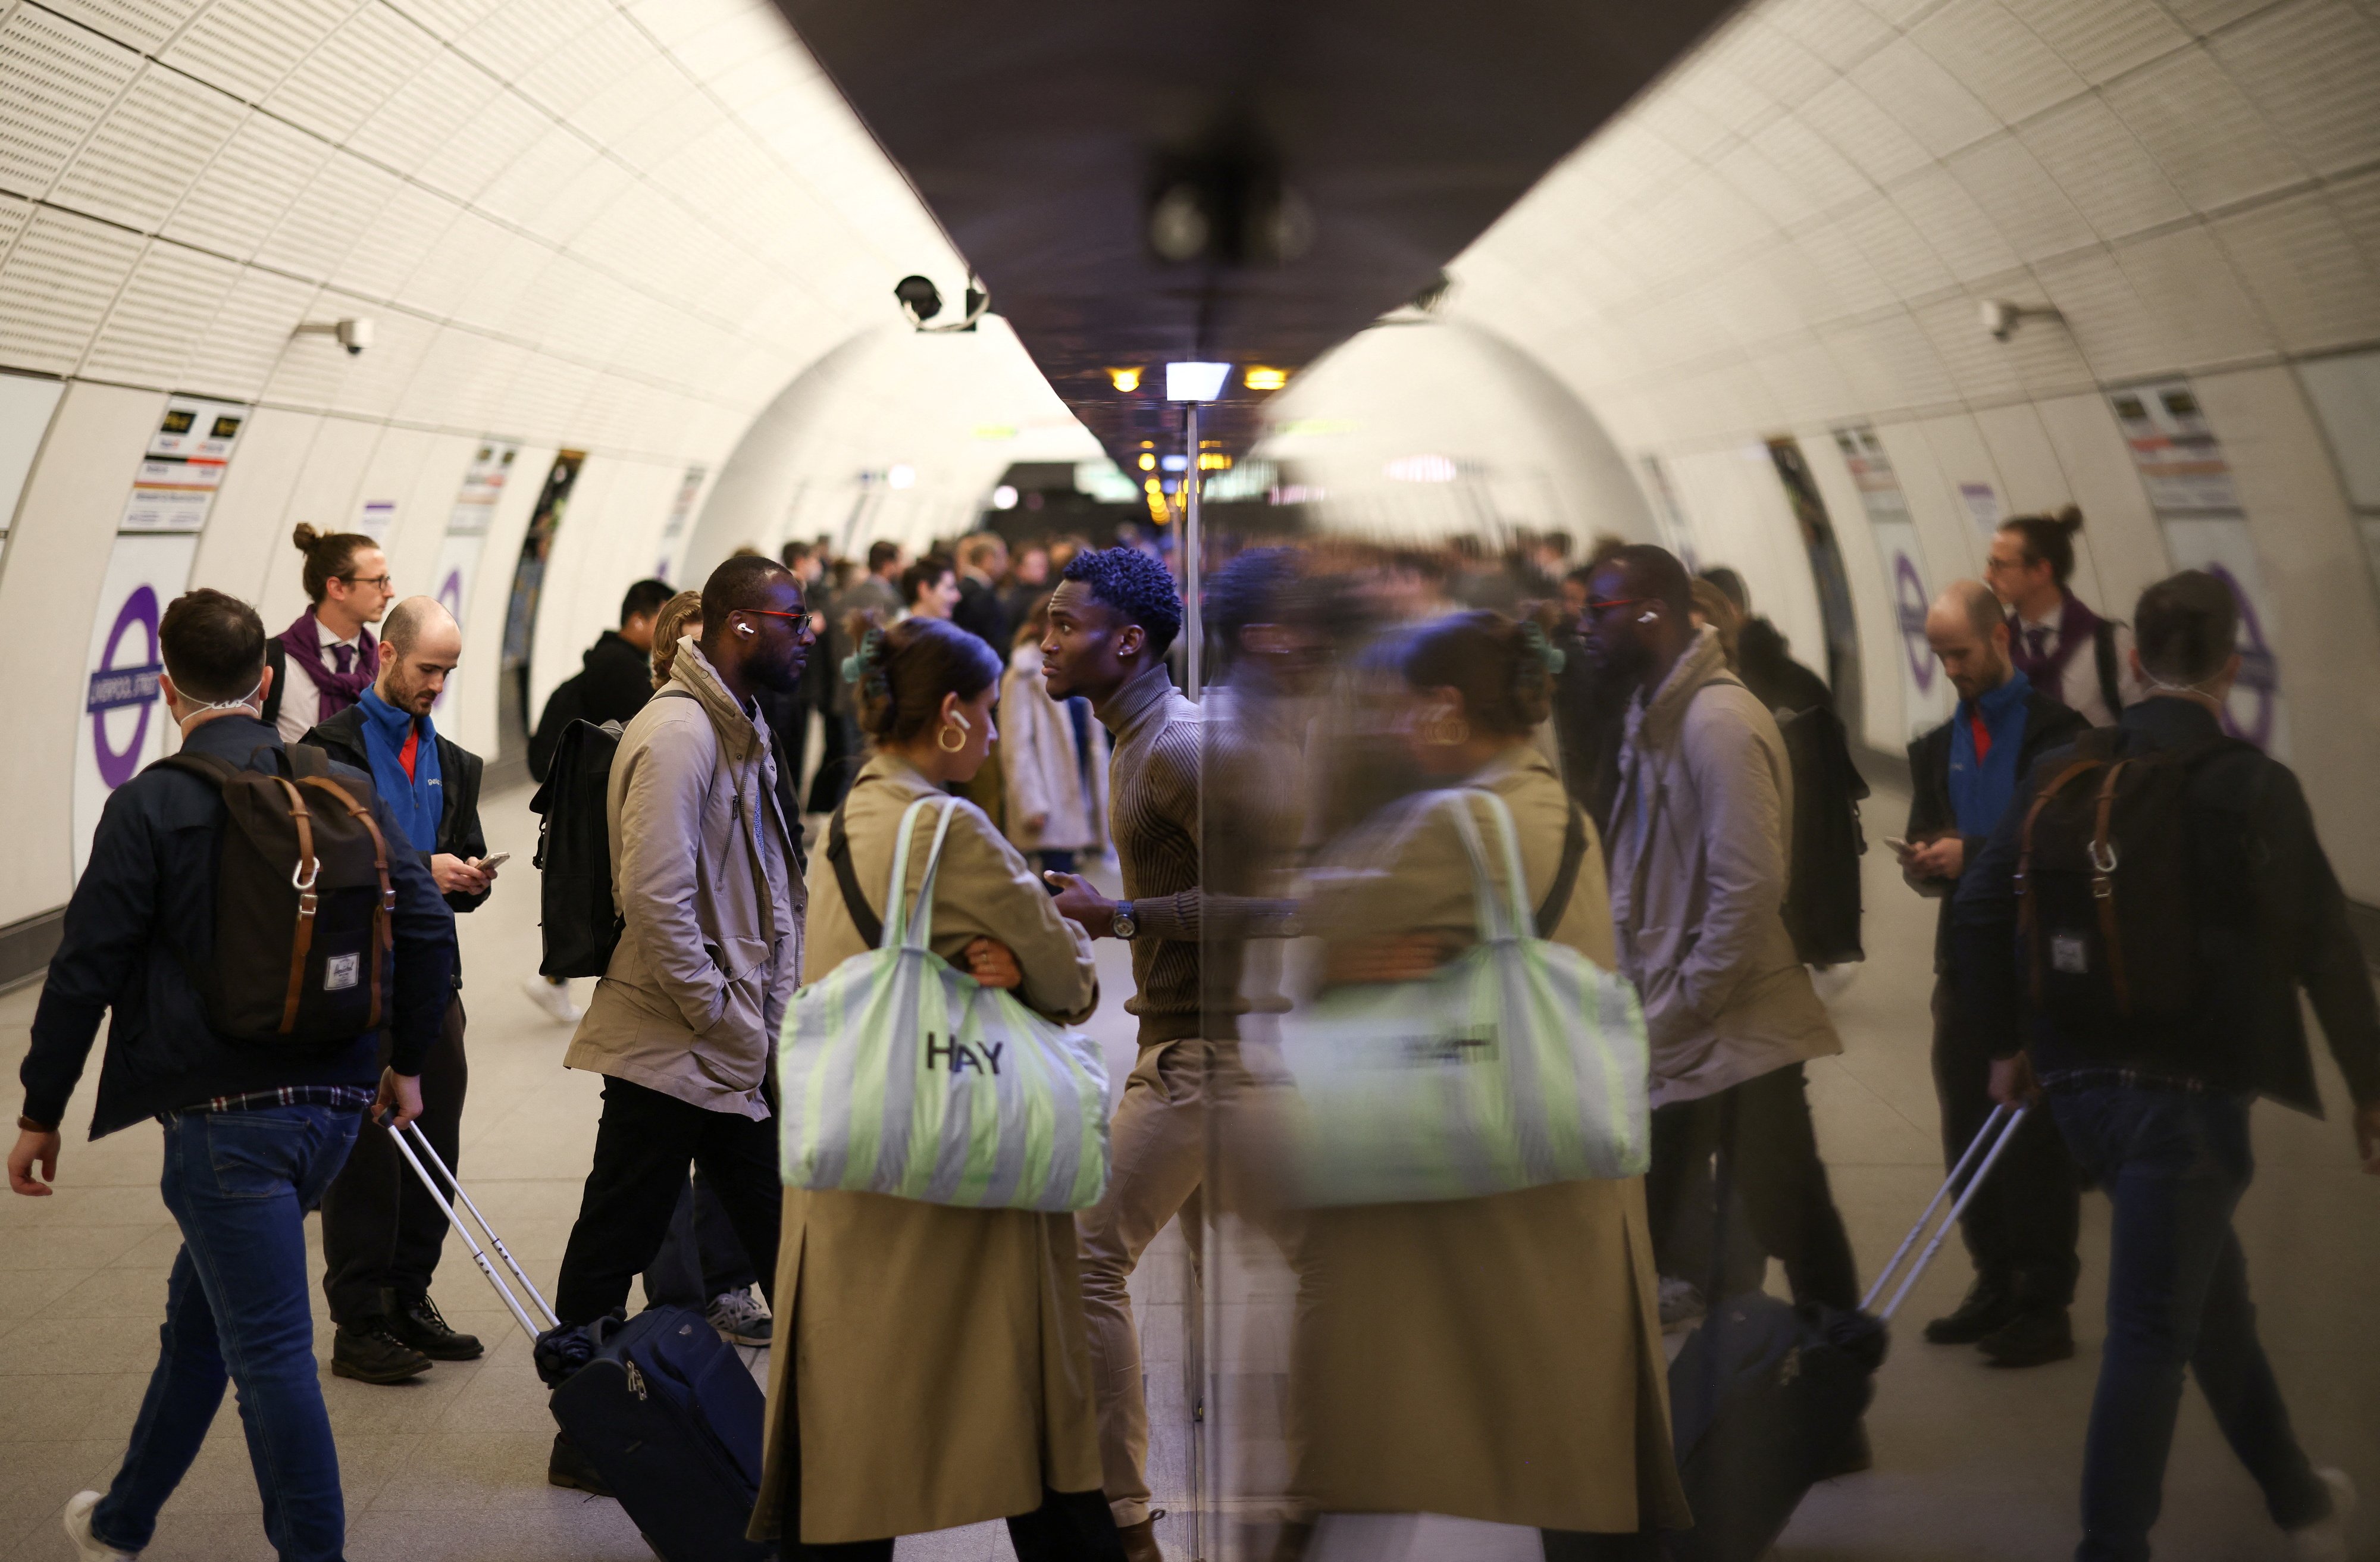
804, 618
1597, 609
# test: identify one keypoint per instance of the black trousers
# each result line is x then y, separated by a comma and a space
841, 753
643, 1148
2021, 1225
1771, 1161
382, 1232
702, 1257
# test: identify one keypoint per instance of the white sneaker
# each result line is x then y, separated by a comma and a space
1681, 1303
554, 998
2325, 1539
91, 1548
740, 1317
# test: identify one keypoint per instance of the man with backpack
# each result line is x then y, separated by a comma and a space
705, 874
2021, 1225
252, 921
2132, 941
1698, 844
382, 1232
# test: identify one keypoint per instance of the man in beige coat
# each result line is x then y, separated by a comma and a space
1698, 876
705, 871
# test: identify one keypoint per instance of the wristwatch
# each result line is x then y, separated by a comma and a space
1121, 922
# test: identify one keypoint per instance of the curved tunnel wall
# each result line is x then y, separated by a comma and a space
610, 227
1791, 234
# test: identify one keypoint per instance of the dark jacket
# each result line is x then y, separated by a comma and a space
142, 918
612, 683
2047, 724
459, 835
1767, 667
2270, 918
981, 614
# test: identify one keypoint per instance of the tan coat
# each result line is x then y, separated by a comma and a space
931, 1368
1037, 750
701, 872
1501, 1358
1698, 879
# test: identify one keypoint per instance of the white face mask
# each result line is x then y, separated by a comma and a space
245, 702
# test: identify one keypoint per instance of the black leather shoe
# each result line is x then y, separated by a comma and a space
2030, 1339
1986, 1310
369, 1351
568, 1465
419, 1325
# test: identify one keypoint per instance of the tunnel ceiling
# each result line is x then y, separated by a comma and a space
1336, 155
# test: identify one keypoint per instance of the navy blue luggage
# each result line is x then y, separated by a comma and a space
669, 1414
666, 1410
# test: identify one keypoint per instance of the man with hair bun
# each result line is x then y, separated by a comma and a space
2065, 650
2151, 1088
324, 661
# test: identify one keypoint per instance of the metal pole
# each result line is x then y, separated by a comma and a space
1190, 625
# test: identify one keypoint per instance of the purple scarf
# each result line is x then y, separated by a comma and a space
303, 642
2076, 627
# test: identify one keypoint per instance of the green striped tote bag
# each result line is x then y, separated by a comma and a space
900, 1074
1520, 1063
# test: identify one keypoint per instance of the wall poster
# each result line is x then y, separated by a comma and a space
466, 531
2345, 391
2189, 484
1926, 698
124, 719
689, 488
25, 403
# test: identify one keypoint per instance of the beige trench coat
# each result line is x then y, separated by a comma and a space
701, 872
931, 1368
1036, 751
1501, 1358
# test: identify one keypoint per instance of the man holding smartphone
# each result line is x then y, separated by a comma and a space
382, 1232
2021, 1224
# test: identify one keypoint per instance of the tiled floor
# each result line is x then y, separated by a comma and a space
1971, 1464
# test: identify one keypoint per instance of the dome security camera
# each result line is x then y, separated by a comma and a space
355, 335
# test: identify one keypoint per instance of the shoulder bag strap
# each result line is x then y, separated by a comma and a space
276, 656
921, 923
855, 900
1493, 918
1557, 901
2103, 650
896, 894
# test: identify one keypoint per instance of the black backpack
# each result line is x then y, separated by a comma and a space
1822, 897
562, 708
305, 946
580, 921
2109, 885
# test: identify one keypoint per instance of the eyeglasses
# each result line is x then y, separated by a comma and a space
803, 627
380, 581
1597, 609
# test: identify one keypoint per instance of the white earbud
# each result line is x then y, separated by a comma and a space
1641, 617
958, 719
743, 629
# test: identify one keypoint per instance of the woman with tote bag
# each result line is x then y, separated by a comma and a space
931, 1367
1528, 1383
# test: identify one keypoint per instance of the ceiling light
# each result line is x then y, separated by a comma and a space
900, 477
1261, 379
1421, 469
1174, 463
1125, 381
1214, 461
1148, 462
1194, 382
1003, 497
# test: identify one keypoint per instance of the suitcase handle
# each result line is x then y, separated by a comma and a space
479, 1254
2014, 1120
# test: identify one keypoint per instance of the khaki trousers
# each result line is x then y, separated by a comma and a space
1158, 1146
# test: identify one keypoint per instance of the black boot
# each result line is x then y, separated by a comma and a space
2033, 1338
569, 1466
1986, 1309
369, 1351
419, 1323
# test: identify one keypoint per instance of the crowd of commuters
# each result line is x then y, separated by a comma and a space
938, 1366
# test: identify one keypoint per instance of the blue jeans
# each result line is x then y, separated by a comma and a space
2175, 1164
237, 1309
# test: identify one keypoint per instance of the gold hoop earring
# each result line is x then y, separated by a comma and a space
943, 739
1447, 732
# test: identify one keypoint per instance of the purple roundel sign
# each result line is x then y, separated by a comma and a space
2260, 673
449, 593
1909, 608
114, 686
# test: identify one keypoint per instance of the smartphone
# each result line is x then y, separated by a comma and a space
490, 864
1896, 843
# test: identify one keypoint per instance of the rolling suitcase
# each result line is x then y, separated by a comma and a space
666, 1410
1765, 1397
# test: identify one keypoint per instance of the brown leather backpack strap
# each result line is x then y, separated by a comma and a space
385, 909
2103, 887
310, 868
2027, 920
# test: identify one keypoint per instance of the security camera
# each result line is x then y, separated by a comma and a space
920, 301
355, 333
1998, 318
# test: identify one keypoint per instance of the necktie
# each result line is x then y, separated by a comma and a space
346, 655
2037, 642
